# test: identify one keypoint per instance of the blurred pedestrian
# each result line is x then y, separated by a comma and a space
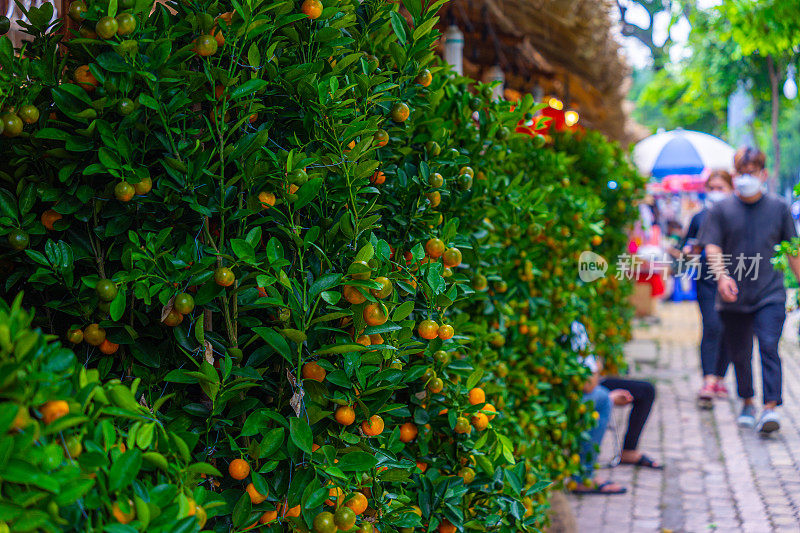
739, 234
714, 359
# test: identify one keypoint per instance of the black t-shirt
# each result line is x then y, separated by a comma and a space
747, 234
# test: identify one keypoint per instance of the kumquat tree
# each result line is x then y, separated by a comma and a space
273, 266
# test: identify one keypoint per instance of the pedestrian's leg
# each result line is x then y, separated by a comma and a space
602, 404
643, 394
737, 340
768, 326
712, 329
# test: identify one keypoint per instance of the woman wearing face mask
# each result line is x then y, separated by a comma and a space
713, 357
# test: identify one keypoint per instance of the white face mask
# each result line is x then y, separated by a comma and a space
713, 197
747, 185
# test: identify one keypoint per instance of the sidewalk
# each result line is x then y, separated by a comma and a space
717, 477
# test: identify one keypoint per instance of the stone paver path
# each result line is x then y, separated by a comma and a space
718, 477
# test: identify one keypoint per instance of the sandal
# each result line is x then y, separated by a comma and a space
646, 462
599, 489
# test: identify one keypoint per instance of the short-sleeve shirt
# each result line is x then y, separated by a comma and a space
747, 234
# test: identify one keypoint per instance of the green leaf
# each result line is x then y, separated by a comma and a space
402, 311
241, 512
275, 340
204, 468
247, 88
308, 192
357, 462
118, 305
124, 470
474, 378
398, 25
300, 433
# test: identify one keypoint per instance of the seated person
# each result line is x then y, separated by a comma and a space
640, 393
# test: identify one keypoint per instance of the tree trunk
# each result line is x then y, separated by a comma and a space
776, 145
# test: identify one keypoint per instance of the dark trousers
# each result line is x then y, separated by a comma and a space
738, 330
714, 357
643, 396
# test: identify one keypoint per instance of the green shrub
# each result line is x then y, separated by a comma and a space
274, 267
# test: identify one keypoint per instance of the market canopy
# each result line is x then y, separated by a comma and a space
682, 152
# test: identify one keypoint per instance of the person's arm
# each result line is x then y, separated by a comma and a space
726, 285
710, 236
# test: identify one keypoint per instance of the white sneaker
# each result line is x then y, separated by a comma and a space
769, 422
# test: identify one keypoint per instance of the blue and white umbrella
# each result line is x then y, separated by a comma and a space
682, 152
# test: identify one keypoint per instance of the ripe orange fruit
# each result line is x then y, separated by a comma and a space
375, 338
451, 257
424, 78
377, 178
434, 247
122, 517
381, 138
312, 9
447, 527
224, 276
400, 112
173, 318
268, 516
357, 502
467, 474
385, 290
312, 370
108, 347
239, 469
477, 396
255, 496
335, 493
434, 198
84, 77
345, 415
49, 218
205, 45
53, 410
94, 334
143, 186
490, 407
408, 432
372, 427
462, 425
353, 295
428, 329
267, 199
375, 314
597, 240
446, 331
422, 466
293, 512
364, 340
124, 191
480, 421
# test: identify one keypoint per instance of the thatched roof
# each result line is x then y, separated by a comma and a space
563, 46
